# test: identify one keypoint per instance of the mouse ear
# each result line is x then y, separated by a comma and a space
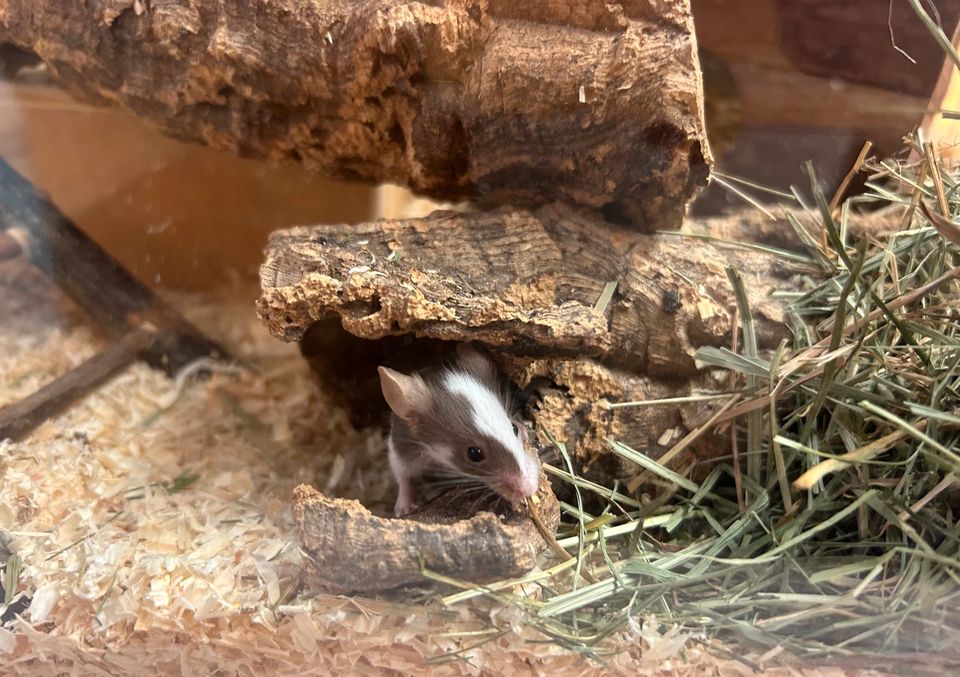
407, 396
476, 362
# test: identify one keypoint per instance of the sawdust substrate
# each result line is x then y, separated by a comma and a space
127, 578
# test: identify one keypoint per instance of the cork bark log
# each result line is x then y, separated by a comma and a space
347, 549
521, 282
597, 104
527, 285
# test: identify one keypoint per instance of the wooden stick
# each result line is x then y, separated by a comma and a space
96, 281
19, 418
842, 188
933, 162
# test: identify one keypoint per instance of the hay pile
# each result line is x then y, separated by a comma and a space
153, 529
831, 528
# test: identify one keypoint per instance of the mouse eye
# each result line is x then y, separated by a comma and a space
516, 431
475, 454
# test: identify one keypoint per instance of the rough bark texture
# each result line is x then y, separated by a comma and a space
593, 103
527, 285
347, 549
570, 400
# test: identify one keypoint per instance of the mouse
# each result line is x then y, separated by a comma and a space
454, 423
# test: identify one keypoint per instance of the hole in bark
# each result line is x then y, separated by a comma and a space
397, 137
347, 365
364, 308
698, 166
459, 153
663, 134
615, 212
13, 59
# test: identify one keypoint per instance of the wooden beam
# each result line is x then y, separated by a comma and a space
109, 294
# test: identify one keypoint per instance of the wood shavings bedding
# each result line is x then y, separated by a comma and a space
154, 525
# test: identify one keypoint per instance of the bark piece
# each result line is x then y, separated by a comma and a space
399, 293
525, 283
598, 104
571, 400
19, 418
349, 550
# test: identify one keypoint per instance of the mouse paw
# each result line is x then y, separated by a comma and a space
404, 506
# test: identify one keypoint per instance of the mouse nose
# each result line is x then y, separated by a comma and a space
521, 487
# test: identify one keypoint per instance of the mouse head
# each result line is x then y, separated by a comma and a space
459, 418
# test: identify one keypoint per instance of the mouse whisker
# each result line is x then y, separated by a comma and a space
474, 490
457, 483
475, 506
445, 472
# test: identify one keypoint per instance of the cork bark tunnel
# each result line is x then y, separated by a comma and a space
527, 286
577, 312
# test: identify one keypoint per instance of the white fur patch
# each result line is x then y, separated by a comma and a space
491, 419
442, 455
406, 468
